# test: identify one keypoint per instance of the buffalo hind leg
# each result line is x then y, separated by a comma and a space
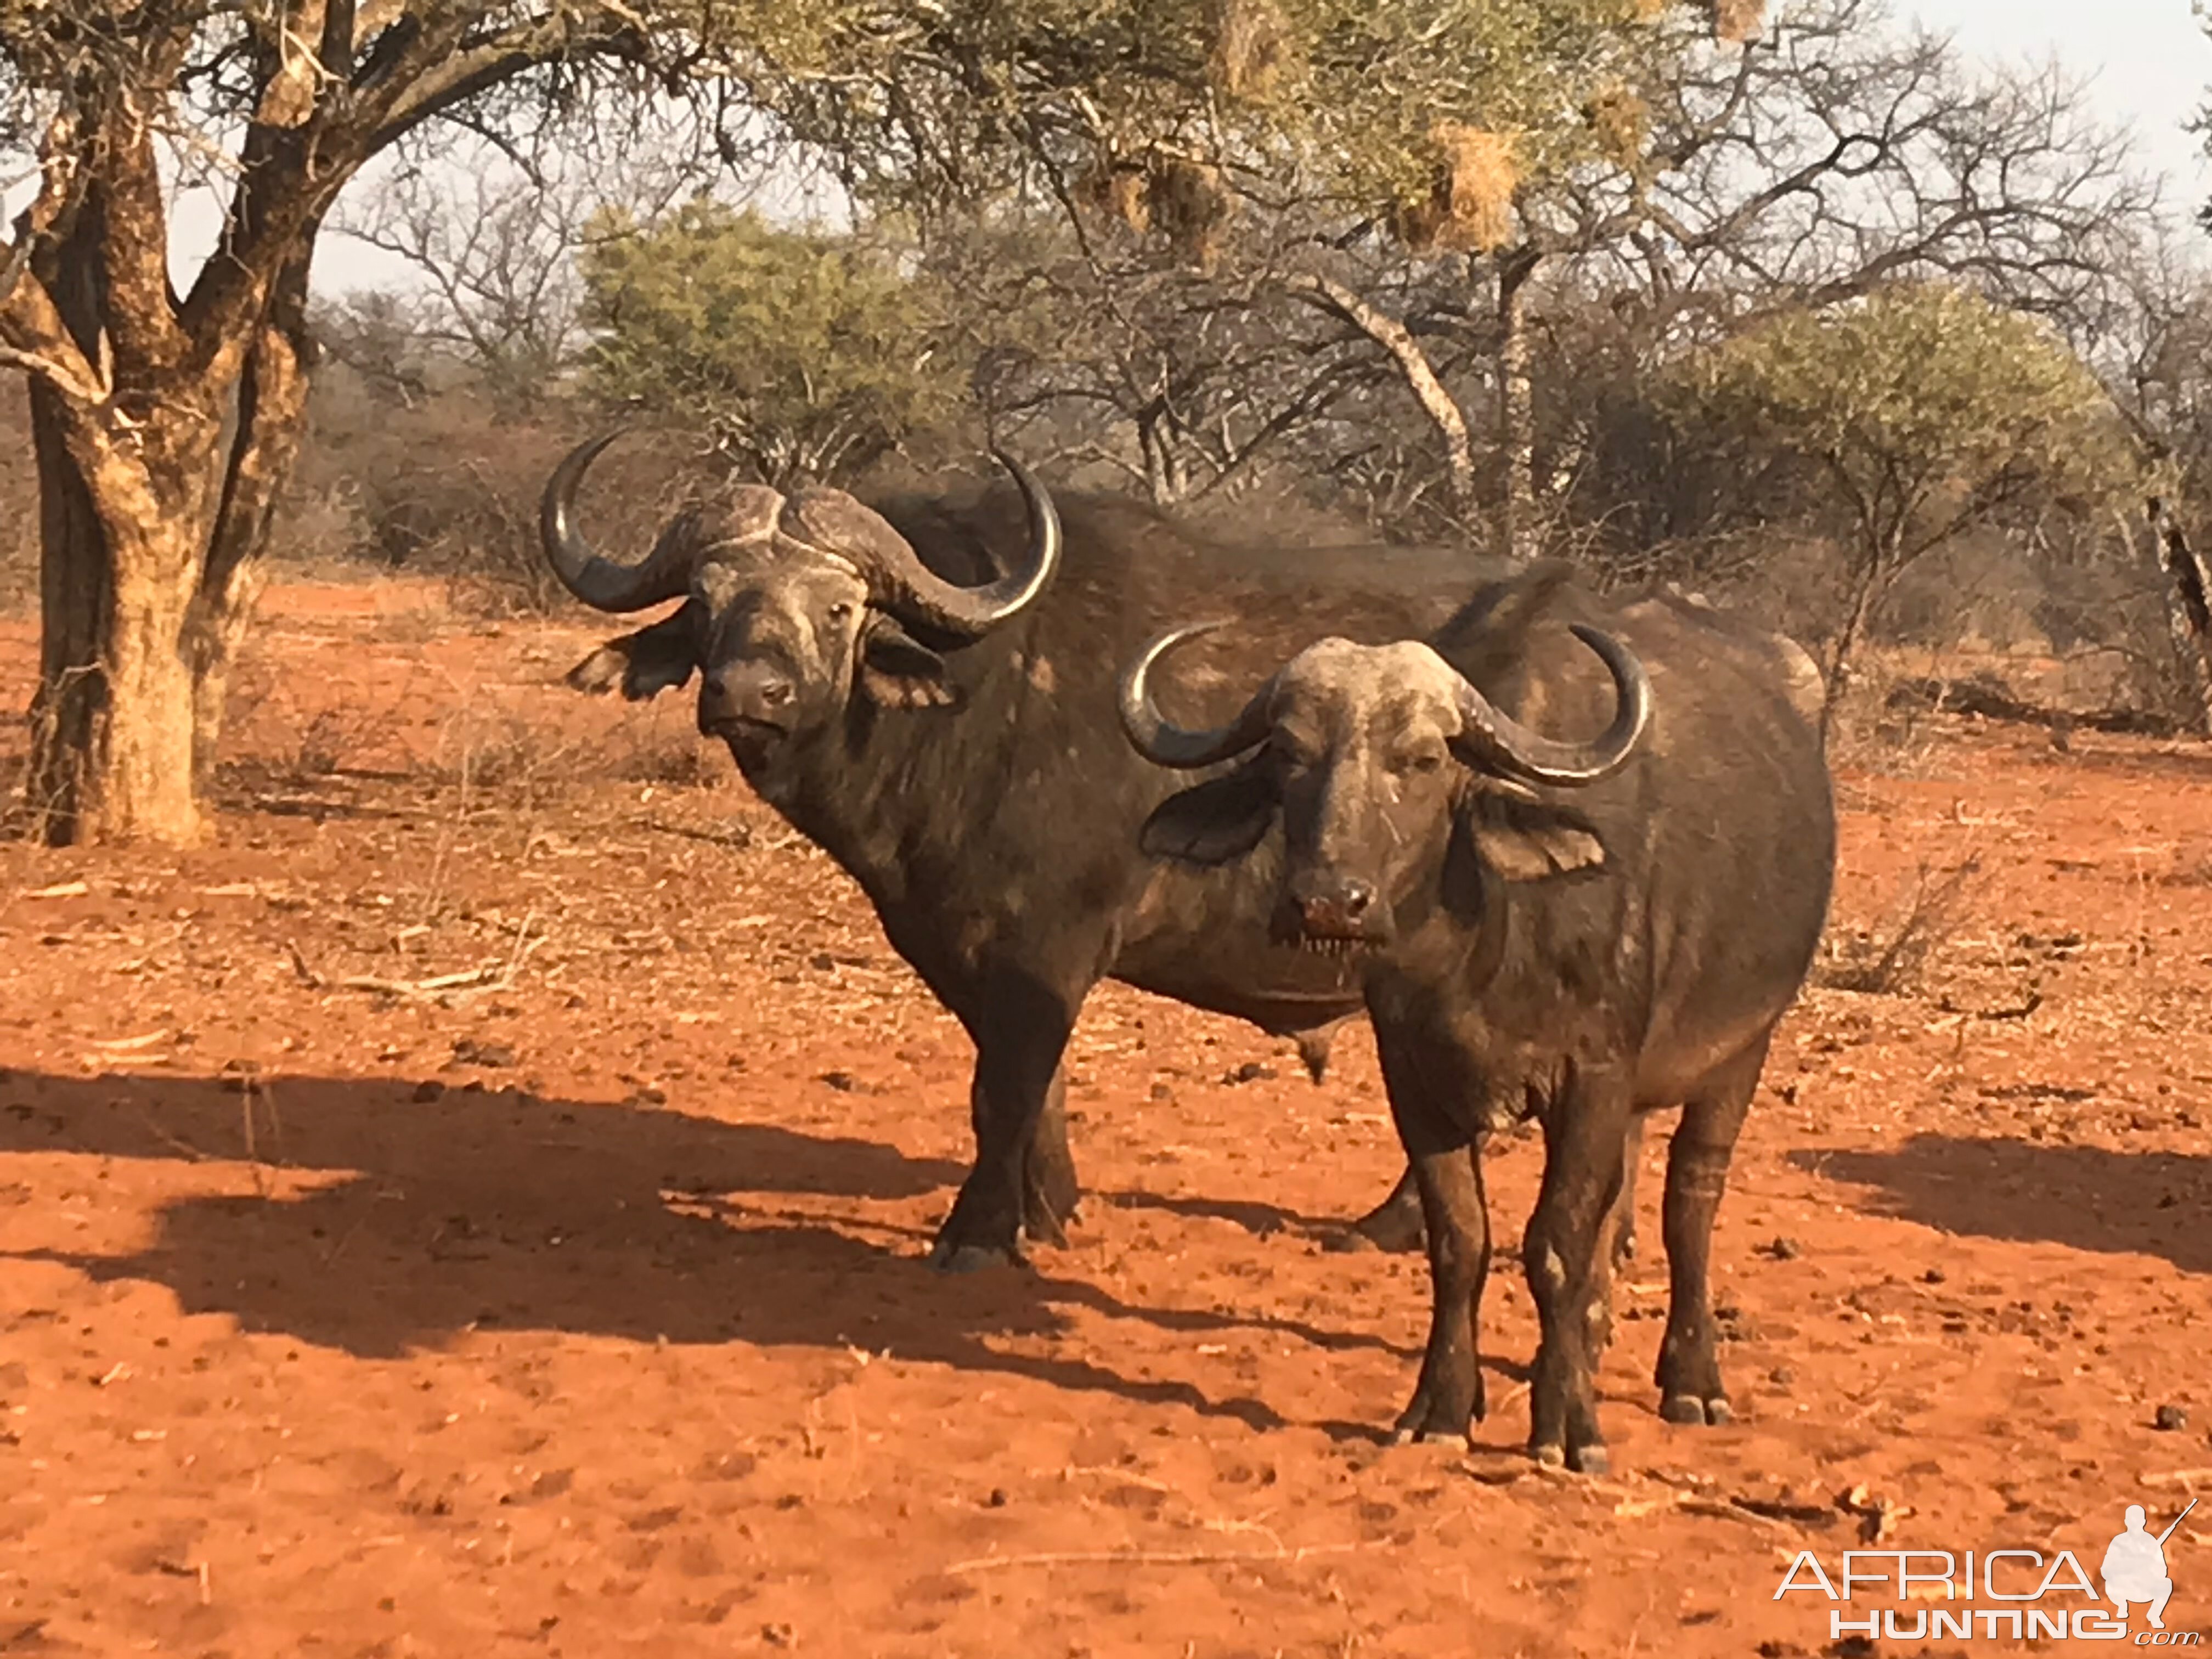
1689, 1373
1426, 1091
1395, 1225
1565, 1250
1020, 1036
1619, 1234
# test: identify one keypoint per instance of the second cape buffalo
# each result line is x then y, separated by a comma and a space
1577, 929
926, 690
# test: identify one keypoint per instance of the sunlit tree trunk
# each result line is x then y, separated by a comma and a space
124, 512
1516, 411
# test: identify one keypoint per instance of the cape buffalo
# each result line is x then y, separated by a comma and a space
1579, 932
939, 718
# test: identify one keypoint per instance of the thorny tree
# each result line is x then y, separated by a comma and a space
493, 231
1926, 412
1835, 155
166, 423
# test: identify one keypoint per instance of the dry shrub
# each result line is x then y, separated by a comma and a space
1254, 49
1738, 21
1648, 11
449, 489
1470, 207
1890, 958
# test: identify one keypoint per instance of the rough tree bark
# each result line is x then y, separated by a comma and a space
124, 505
2189, 606
1516, 408
165, 425
264, 447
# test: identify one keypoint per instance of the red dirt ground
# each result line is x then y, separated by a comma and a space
582, 1312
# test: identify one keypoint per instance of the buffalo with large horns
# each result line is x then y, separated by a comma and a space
939, 717
1578, 931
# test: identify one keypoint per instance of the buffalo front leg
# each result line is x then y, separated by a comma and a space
1021, 1032
1395, 1225
1689, 1374
1446, 1168
1585, 1145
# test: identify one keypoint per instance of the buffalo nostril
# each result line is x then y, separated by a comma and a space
714, 686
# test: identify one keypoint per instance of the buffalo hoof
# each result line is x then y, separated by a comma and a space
1592, 1459
1041, 1226
1430, 1438
1688, 1409
1438, 1420
948, 1257
1394, 1226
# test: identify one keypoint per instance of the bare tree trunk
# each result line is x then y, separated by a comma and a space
2188, 609
1516, 411
264, 444
1166, 475
112, 717
1435, 399
151, 537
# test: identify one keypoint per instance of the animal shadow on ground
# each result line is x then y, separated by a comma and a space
400, 1223
2148, 1203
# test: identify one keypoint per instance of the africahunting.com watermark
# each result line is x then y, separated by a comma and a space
2009, 1595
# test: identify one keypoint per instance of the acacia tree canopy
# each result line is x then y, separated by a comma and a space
807, 355
1921, 411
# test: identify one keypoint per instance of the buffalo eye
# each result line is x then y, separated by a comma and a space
841, 611
1420, 760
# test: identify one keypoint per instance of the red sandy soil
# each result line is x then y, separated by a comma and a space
582, 1312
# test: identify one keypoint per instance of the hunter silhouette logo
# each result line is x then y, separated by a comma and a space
2135, 1566
2002, 1595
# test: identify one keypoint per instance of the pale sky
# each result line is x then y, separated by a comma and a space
2150, 64
2151, 60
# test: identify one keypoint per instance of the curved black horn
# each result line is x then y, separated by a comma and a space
600, 582
1512, 748
1165, 745
908, 587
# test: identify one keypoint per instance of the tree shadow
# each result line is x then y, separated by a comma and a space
2146, 1203
399, 1224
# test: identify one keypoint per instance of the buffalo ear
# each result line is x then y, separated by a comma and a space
644, 663
897, 670
1213, 823
1528, 839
